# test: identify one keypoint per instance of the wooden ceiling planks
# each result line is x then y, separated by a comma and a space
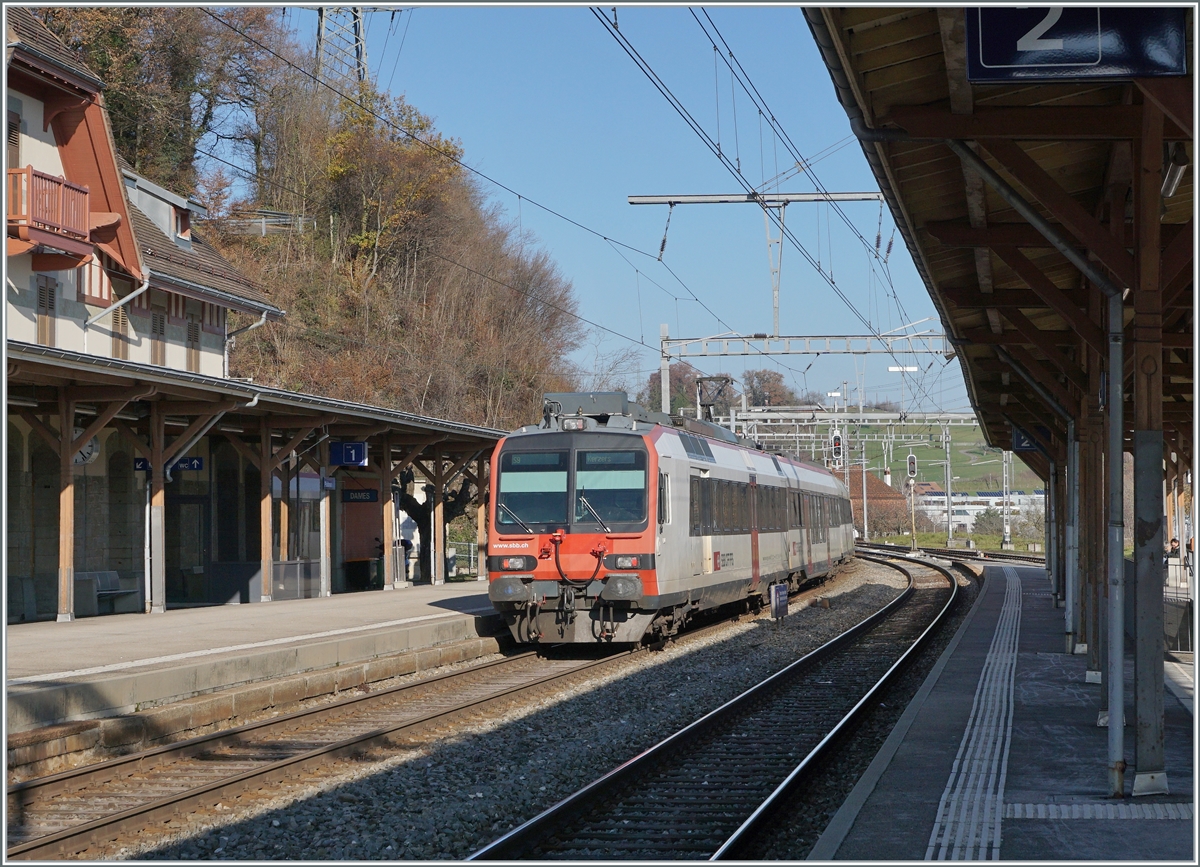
895, 58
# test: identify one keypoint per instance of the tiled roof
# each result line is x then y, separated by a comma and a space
203, 267
37, 40
877, 488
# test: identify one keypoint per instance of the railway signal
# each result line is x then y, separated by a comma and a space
912, 466
837, 446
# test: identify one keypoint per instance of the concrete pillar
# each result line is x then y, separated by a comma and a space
1151, 776
266, 555
1071, 561
158, 508
1050, 518
66, 508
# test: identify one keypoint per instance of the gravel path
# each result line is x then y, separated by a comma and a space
451, 792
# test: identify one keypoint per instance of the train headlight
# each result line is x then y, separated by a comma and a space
516, 564
573, 424
625, 561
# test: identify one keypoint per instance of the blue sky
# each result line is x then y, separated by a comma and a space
546, 102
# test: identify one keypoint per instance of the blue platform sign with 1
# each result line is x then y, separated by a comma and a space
348, 454
1075, 43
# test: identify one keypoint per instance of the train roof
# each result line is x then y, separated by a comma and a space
613, 412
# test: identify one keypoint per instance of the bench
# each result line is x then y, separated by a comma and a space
92, 589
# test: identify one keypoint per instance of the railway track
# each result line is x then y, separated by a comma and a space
963, 554
63, 815
705, 791
67, 814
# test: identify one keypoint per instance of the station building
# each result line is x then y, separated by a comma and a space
140, 475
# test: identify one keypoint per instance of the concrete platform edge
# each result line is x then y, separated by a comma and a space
55, 747
839, 826
36, 705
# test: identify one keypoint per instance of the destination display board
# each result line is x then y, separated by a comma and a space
1075, 43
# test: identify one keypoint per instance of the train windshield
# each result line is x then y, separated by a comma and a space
533, 488
610, 487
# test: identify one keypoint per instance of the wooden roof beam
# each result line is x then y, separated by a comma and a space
1063, 207
1026, 123
1036, 280
1174, 97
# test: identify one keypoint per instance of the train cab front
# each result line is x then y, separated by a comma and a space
571, 548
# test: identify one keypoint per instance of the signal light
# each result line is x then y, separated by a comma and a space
837, 446
912, 466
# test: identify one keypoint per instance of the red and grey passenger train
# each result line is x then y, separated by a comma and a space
613, 524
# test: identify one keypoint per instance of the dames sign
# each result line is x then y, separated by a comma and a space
1074, 43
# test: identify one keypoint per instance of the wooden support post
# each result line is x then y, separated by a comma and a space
264, 510
158, 508
388, 531
66, 508
438, 523
1151, 776
481, 502
285, 516
326, 526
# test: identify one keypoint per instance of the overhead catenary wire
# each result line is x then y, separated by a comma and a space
409, 135
752, 91
686, 115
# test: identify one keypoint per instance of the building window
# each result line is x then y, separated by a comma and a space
47, 290
14, 140
158, 338
183, 223
120, 334
193, 344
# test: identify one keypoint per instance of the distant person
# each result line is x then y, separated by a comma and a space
408, 546
1173, 551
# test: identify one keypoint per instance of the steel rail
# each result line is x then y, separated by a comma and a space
521, 841
70, 841
753, 826
963, 554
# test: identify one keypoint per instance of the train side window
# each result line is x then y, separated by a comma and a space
664, 498
694, 504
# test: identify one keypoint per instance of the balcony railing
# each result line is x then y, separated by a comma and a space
42, 201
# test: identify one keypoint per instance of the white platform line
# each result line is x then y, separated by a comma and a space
969, 812
1100, 811
193, 654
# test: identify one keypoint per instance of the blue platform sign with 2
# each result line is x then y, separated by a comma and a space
348, 454
1075, 43
1022, 442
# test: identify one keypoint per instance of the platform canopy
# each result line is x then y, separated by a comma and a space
1027, 323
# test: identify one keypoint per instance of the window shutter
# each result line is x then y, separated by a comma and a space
120, 333
14, 140
47, 289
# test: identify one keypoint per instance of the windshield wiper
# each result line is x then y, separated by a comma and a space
583, 500
524, 526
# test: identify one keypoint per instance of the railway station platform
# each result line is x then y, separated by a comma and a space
999, 755
187, 668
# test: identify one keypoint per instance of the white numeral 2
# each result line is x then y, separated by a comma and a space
1033, 41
